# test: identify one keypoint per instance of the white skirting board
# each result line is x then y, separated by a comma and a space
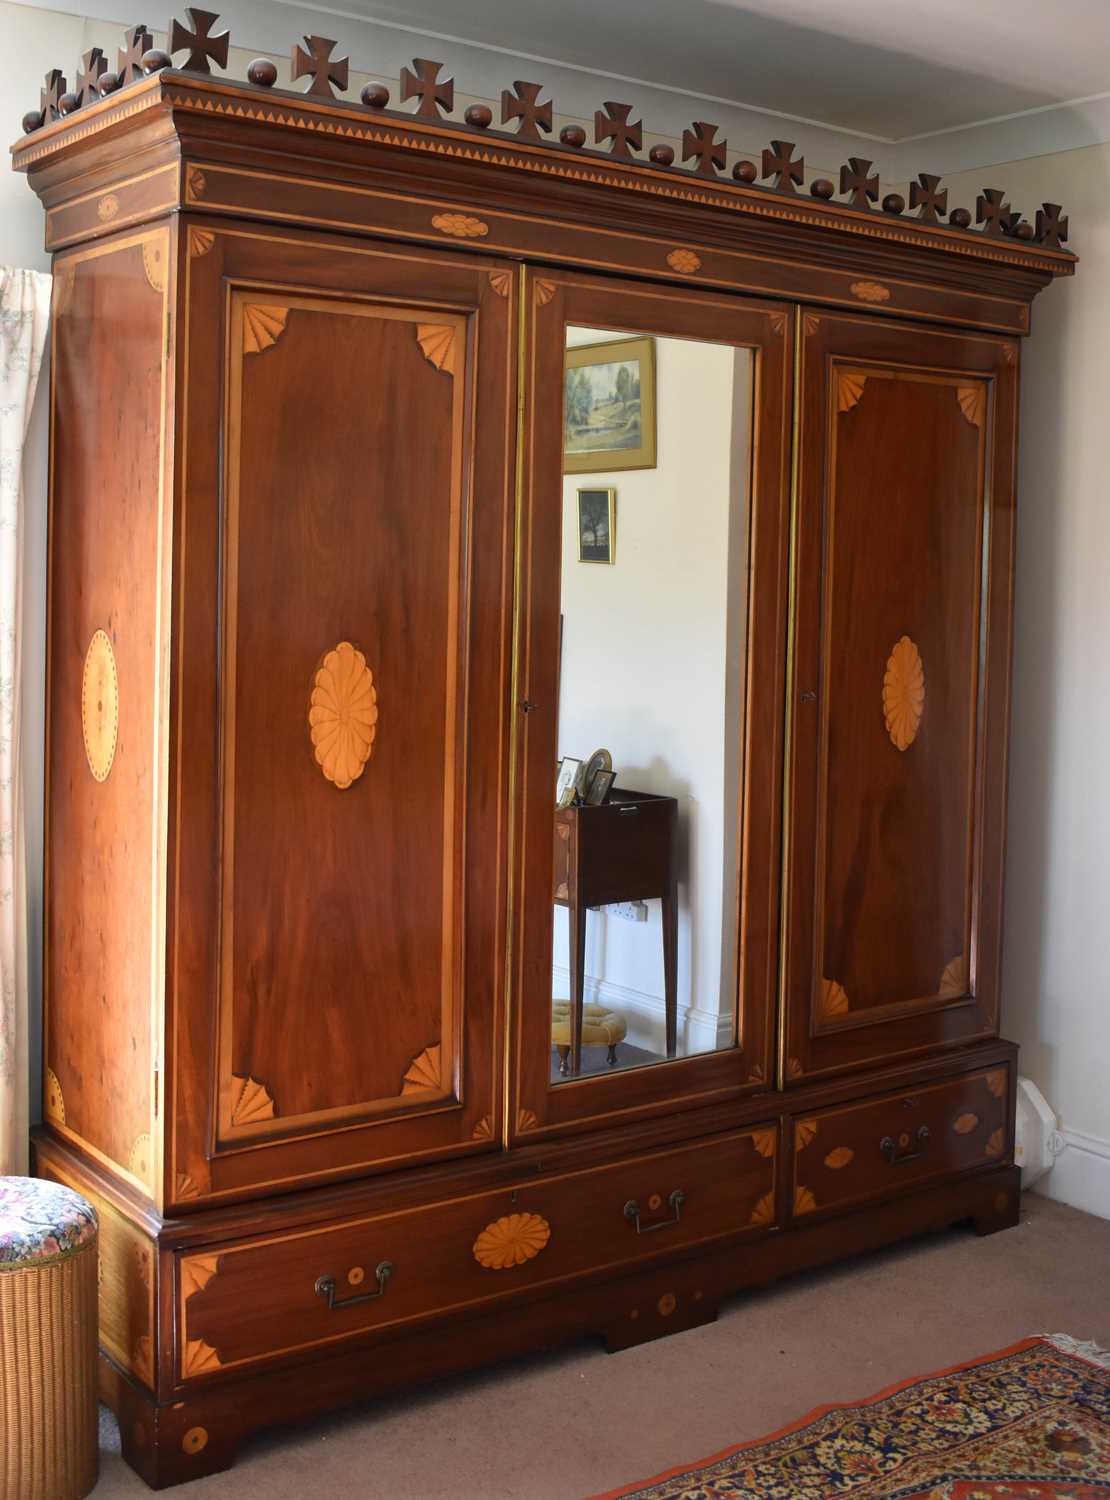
698, 1030
1080, 1174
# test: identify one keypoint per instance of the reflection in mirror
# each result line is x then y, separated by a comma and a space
657, 460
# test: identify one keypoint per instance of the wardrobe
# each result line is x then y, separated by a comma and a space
320, 636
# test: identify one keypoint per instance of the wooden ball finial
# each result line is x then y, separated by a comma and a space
479, 115
662, 156
960, 217
68, 103
821, 187
262, 72
745, 171
32, 120
1024, 230
155, 60
108, 83
375, 96
894, 203
573, 135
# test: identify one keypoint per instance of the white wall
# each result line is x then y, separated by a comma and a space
1056, 974
646, 651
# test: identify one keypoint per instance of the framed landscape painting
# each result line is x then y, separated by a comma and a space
609, 407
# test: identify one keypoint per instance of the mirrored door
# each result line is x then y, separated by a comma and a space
650, 670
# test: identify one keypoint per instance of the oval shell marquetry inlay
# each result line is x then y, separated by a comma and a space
462, 226
343, 714
100, 705
511, 1241
903, 693
870, 291
684, 261
839, 1157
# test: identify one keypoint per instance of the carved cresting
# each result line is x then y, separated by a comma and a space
903, 693
100, 705
343, 715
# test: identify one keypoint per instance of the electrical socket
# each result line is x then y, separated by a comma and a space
629, 911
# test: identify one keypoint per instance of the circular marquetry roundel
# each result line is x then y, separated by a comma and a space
100, 705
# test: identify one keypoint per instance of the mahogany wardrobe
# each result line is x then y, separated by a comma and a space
398, 461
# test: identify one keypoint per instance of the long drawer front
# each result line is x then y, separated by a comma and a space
871, 1149
287, 1292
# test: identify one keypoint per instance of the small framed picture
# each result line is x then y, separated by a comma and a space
609, 406
597, 522
600, 787
566, 781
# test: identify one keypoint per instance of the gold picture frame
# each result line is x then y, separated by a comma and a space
609, 406
597, 525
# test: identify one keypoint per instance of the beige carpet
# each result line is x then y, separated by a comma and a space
565, 1426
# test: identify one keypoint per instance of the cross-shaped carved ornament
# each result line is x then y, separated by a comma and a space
435, 93
55, 87
924, 195
1052, 230
777, 163
129, 58
995, 216
858, 179
201, 44
627, 136
699, 142
93, 64
525, 106
327, 74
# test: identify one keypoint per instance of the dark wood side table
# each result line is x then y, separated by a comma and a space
623, 850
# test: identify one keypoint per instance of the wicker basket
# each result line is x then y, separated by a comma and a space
48, 1411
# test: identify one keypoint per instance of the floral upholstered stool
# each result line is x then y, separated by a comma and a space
48, 1415
601, 1027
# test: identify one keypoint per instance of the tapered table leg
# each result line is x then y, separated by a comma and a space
577, 915
670, 965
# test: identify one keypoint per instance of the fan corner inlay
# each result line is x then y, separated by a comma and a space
423, 1072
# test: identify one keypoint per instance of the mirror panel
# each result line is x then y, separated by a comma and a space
651, 688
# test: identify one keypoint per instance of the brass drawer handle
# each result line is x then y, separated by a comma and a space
325, 1287
890, 1150
632, 1213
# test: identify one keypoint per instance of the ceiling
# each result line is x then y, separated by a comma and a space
886, 69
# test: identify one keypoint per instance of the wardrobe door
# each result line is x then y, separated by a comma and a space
343, 658
898, 693
653, 570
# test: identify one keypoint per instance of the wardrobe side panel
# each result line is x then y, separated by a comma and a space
104, 899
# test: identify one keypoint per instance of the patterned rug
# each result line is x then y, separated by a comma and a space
1031, 1422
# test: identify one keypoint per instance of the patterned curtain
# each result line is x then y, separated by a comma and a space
24, 312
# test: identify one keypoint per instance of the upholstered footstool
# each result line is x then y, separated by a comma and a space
48, 1409
601, 1027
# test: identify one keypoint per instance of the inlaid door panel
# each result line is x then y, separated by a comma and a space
899, 692
357, 631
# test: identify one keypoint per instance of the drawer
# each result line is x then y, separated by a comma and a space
269, 1295
875, 1147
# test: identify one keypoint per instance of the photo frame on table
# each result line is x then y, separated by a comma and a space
566, 781
609, 406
